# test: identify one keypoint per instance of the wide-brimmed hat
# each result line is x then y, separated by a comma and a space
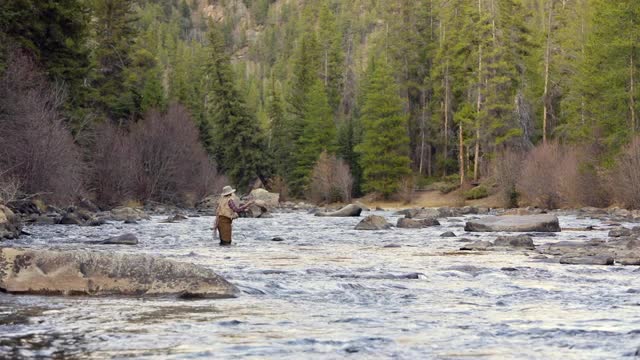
227, 190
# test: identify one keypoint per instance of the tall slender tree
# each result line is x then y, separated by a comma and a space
385, 146
239, 146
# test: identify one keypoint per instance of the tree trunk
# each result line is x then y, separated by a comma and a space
632, 100
547, 61
461, 153
422, 130
478, 105
446, 117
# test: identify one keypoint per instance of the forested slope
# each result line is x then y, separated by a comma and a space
399, 91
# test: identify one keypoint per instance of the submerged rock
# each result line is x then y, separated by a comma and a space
635, 261
78, 272
586, 260
349, 210
125, 239
620, 232
417, 223
515, 223
373, 222
127, 213
520, 241
448, 234
477, 246
175, 218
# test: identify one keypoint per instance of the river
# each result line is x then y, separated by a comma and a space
328, 291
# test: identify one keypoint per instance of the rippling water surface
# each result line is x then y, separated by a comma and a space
328, 291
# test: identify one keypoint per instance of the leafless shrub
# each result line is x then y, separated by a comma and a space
507, 170
580, 178
555, 175
331, 180
9, 188
539, 182
279, 185
36, 147
625, 176
115, 167
161, 160
406, 191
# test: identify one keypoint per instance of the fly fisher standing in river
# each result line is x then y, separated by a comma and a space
227, 211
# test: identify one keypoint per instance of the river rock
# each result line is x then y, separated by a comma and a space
586, 260
520, 241
10, 225
208, 203
175, 218
257, 210
416, 223
373, 222
477, 246
125, 239
70, 218
620, 232
127, 213
448, 234
80, 272
267, 199
515, 223
24, 207
45, 220
427, 213
88, 205
349, 210
95, 222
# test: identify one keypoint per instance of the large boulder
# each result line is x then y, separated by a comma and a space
349, 210
266, 199
417, 223
373, 222
515, 223
78, 272
10, 225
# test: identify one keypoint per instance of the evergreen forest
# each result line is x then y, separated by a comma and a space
169, 100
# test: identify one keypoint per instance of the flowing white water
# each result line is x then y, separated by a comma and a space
328, 291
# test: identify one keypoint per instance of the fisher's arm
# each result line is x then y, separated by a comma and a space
239, 209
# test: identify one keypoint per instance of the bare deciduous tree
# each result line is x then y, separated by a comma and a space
625, 177
36, 147
331, 180
161, 159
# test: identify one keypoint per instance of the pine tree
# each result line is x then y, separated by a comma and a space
611, 71
279, 143
318, 134
304, 76
114, 35
153, 92
332, 57
239, 146
384, 149
56, 33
